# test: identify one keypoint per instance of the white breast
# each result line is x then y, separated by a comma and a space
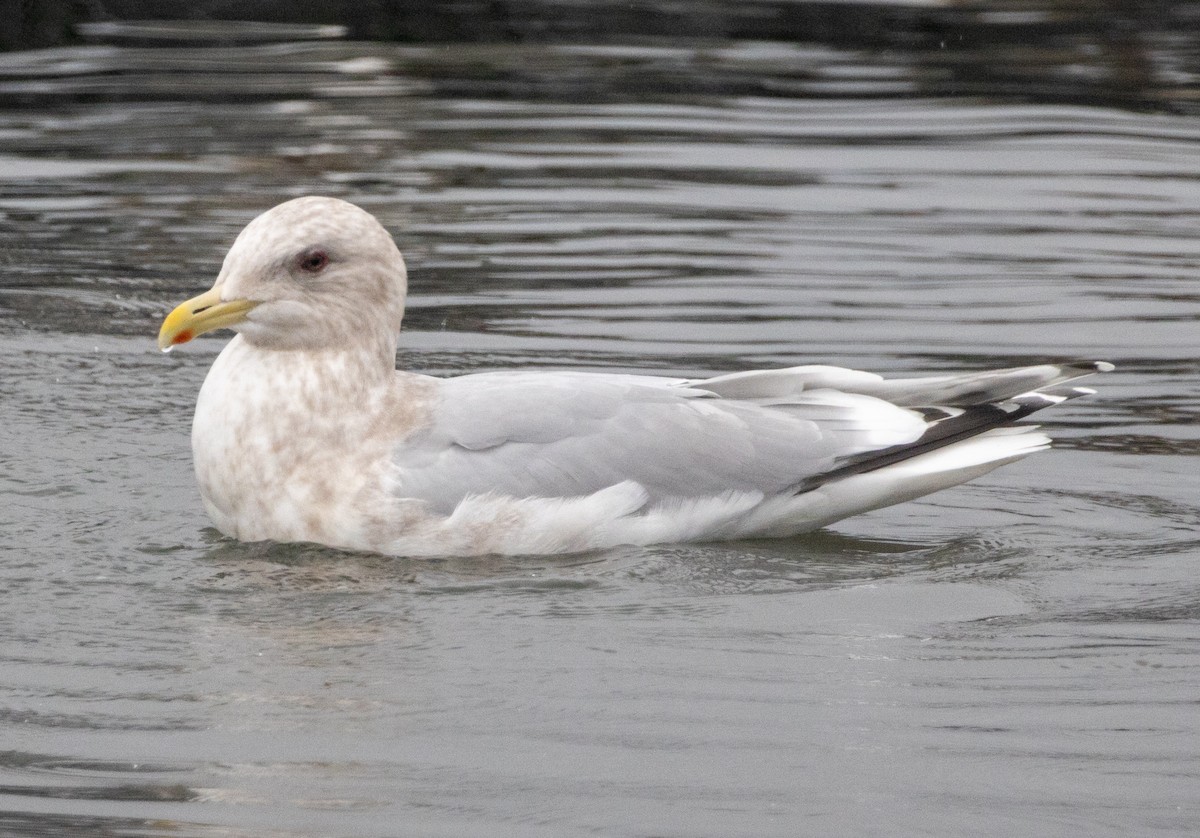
282, 448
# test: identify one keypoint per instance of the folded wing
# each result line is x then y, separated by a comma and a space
771, 433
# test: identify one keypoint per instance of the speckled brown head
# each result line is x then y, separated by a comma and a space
308, 274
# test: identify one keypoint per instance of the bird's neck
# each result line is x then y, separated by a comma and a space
355, 366
324, 392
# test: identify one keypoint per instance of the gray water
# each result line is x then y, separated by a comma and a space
1015, 656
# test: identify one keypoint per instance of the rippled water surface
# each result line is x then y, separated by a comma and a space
1016, 656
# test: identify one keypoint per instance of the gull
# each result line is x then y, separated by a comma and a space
305, 431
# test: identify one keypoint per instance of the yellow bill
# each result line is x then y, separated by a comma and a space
199, 315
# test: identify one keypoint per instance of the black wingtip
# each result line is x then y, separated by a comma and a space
947, 426
1087, 367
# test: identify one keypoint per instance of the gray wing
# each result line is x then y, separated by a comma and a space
961, 390
553, 434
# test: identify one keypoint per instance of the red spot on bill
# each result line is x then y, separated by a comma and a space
182, 337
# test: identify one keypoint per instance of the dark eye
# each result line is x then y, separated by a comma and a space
312, 261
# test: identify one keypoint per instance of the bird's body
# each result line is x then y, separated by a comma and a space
305, 431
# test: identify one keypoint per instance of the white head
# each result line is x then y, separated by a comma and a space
310, 274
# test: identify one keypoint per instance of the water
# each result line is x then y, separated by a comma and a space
1016, 656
